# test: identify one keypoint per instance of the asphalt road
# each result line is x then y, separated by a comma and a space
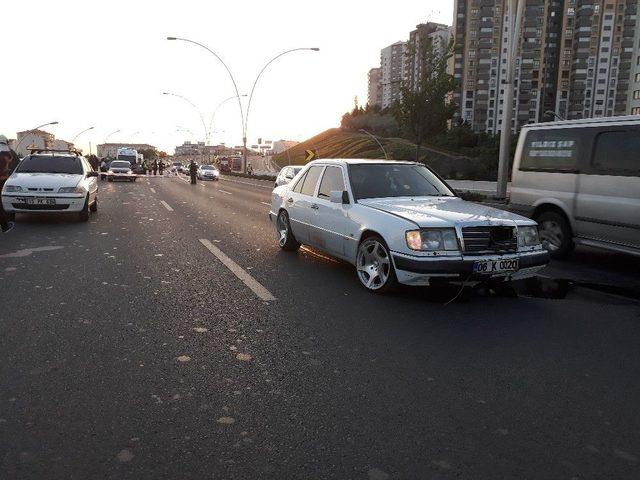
129, 350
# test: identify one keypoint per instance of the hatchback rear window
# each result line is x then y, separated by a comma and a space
50, 164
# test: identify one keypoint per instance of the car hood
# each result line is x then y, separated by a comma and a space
444, 211
44, 180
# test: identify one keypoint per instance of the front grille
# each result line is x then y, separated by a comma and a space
29, 206
489, 239
40, 189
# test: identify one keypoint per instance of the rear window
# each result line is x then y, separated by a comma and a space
207, 167
51, 164
552, 150
617, 153
120, 164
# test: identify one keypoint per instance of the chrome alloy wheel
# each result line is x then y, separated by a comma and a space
551, 235
283, 228
373, 264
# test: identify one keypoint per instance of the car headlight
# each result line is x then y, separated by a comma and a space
528, 236
433, 239
12, 188
216, 173
77, 189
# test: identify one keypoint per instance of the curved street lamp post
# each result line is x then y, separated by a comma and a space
31, 130
244, 117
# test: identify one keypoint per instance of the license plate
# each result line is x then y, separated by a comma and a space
496, 266
37, 201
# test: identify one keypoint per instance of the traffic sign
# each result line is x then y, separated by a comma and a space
311, 155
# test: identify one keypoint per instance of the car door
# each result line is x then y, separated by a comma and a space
608, 201
329, 220
92, 182
298, 203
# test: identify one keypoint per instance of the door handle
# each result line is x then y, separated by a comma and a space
290, 200
315, 207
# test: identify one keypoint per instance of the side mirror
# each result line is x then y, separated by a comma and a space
92, 174
337, 196
289, 176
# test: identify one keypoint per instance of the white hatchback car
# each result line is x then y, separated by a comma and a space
52, 182
208, 172
398, 222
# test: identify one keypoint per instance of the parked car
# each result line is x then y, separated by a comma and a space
52, 182
580, 180
287, 174
121, 170
177, 167
398, 222
208, 172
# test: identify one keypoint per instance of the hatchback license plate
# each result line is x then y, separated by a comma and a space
38, 201
496, 266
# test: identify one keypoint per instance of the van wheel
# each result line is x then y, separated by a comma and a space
555, 234
84, 213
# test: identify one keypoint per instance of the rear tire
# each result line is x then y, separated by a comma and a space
84, 213
374, 266
286, 240
94, 206
555, 233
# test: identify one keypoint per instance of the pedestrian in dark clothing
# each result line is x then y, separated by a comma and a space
193, 171
154, 167
161, 167
8, 162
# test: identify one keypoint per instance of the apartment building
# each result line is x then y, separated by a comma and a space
426, 35
393, 72
575, 59
31, 139
374, 95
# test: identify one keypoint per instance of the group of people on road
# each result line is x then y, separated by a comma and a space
8, 162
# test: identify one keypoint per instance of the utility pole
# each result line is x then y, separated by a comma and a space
516, 11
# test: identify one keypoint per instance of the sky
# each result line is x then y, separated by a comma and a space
105, 63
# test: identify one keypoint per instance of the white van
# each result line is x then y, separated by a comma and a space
580, 180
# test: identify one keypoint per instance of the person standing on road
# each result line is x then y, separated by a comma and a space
154, 167
161, 167
193, 170
103, 169
8, 162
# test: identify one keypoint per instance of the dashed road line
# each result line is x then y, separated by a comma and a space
224, 191
153, 190
257, 288
265, 203
166, 205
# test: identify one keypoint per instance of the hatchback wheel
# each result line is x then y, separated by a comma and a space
84, 213
374, 266
555, 234
286, 240
94, 206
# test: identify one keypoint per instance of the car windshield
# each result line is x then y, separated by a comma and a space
207, 167
128, 158
395, 180
177, 164
51, 164
120, 164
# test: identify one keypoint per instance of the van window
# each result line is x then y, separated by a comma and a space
617, 153
552, 150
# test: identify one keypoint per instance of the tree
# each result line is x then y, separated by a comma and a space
149, 153
425, 109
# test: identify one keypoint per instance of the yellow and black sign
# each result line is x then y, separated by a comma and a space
311, 155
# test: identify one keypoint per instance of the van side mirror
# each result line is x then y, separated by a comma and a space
337, 196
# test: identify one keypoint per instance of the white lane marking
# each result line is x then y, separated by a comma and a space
239, 272
224, 191
265, 203
248, 183
153, 190
166, 205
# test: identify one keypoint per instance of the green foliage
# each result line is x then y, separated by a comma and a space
371, 119
149, 154
424, 110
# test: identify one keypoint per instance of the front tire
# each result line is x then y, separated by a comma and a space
286, 240
84, 213
11, 216
555, 234
374, 266
94, 206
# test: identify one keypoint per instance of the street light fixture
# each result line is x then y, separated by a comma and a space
246, 118
110, 135
36, 128
243, 118
80, 133
204, 124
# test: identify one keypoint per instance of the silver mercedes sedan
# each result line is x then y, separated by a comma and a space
399, 222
